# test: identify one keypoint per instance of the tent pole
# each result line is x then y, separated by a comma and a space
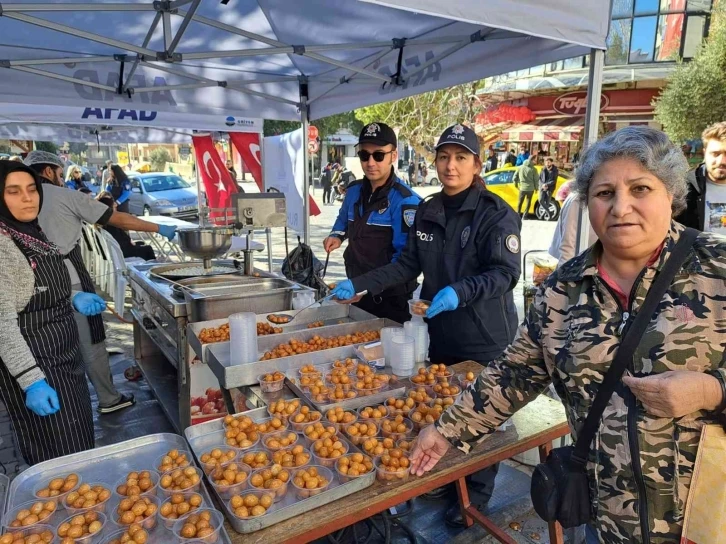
592, 122
304, 117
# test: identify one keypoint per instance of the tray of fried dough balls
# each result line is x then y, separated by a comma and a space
146, 490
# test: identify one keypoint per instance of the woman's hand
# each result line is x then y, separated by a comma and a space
41, 399
676, 393
429, 448
89, 304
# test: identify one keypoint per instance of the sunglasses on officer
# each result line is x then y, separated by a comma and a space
378, 156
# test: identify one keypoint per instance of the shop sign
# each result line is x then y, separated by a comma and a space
575, 103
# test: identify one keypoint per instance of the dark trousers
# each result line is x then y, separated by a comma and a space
393, 307
141, 250
524, 195
545, 198
326, 194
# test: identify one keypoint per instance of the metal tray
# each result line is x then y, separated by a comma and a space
231, 376
107, 465
163, 270
337, 314
205, 436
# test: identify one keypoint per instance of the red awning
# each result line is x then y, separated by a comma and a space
565, 129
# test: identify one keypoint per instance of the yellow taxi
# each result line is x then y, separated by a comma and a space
501, 183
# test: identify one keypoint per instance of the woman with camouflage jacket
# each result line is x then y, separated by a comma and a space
641, 460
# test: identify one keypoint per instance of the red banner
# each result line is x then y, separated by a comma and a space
248, 145
218, 183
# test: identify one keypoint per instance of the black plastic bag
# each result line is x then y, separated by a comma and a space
303, 267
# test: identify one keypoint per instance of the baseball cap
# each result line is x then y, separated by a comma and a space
379, 134
460, 135
43, 157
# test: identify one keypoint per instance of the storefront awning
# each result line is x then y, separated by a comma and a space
566, 129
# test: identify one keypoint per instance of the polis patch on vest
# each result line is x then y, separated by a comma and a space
512, 243
409, 216
465, 236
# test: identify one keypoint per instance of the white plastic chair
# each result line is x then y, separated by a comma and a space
118, 270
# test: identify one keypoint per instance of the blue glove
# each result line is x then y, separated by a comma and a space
167, 231
41, 399
445, 300
89, 304
344, 290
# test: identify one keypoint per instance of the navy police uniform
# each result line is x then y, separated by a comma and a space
376, 225
477, 253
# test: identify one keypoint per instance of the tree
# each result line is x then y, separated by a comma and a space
275, 128
50, 147
422, 118
158, 159
77, 148
326, 126
694, 96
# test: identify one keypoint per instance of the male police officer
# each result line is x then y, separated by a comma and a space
375, 218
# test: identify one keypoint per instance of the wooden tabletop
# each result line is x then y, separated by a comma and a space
538, 423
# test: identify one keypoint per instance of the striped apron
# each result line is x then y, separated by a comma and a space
48, 326
95, 322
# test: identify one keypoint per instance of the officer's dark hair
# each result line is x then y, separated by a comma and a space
119, 175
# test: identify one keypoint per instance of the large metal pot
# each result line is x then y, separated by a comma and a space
205, 243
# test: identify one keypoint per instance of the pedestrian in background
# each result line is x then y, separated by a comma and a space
523, 155
411, 173
511, 158
326, 180
547, 183
525, 179
491, 163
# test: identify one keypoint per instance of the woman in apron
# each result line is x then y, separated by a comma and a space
120, 188
42, 381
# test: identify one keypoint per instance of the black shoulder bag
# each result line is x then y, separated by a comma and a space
560, 489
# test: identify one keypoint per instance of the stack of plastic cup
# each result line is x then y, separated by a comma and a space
243, 338
386, 334
403, 356
419, 331
303, 299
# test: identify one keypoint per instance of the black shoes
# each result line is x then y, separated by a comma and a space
124, 402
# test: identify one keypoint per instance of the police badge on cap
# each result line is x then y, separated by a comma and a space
378, 134
460, 135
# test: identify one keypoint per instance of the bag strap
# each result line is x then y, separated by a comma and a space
630, 341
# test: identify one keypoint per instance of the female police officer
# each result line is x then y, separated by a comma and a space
466, 244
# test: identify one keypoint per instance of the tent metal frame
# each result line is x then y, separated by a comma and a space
165, 9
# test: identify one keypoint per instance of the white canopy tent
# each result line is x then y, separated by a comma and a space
274, 59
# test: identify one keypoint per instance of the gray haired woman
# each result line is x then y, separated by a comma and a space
641, 460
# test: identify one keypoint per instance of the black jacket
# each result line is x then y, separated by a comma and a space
510, 160
478, 254
695, 213
549, 178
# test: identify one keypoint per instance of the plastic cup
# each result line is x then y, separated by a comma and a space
100, 507
95, 537
388, 477
419, 331
269, 428
396, 435
211, 464
154, 476
376, 420
44, 484
387, 334
406, 444
357, 439
169, 522
284, 416
116, 536
272, 441
228, 491
167, 492
255, 493
11, 515
368, 391
393, 411
149, 522
345, 477
158, 466
278, 493
417, 307
328, 462
215, 523
402, 355
302, 492
307, 440
243, 338
270, 386
253, 458
464, 382
279, 457
35, 530
299, 427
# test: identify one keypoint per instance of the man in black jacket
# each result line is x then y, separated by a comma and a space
706, 199
547, 184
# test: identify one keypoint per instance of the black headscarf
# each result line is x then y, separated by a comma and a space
27, 235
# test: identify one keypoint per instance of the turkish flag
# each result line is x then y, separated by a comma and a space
218, 183
248, 145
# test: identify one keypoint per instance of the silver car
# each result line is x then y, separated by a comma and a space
162, 194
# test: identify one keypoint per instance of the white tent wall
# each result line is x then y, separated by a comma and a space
254, 57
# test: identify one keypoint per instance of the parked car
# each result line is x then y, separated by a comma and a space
500, 182
162, 194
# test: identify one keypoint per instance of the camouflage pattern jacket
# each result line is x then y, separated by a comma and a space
640, 466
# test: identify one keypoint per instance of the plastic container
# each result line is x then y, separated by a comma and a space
283, 417
463, 381
255, 464
417, 308
158, 465
100, 507
116, 537
295, 462
277, 494
303, 493
255, 493
419, 331
367, 392
154, 476
418, 425
165, 492
11, 515
216, 521
389, 477
349, 395
271, 441
344, 478
328, 462
299, 427
375, 420
169, 522
228, 491
89, 539
209, 466
149, 522
406, 444
357, 439
270, 429
393, 411
243, 338
387, 333
271, 386
396, 435
35, 530
339, 425
44, 484
307, 441
402, 355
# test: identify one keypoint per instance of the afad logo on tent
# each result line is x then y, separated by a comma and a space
231, 121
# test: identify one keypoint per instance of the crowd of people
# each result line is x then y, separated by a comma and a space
465, 241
